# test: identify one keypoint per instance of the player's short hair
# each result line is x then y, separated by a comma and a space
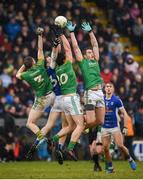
85, 49
60, 59
28, 62
110, 84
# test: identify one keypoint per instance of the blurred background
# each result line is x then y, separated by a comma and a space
118, 27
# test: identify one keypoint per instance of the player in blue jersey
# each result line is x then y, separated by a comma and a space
111, 127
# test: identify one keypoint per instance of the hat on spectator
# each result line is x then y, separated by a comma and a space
129, 56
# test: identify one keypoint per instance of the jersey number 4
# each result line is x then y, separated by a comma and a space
38, 79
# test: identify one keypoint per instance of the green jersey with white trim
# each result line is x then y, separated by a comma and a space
67, 78
38, 79
91, 73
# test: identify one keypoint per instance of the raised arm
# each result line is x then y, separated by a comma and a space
67, 48
20, 71
86, 27
75, 46
39, 32
54, 54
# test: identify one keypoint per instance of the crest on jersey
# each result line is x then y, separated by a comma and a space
112, 103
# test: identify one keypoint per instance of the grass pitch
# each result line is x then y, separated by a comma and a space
69, 170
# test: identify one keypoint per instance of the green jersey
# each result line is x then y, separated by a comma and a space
91, 73
67, 78
38, 79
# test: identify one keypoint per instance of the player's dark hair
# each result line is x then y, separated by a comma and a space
85, 49
28, 62
60, 59
110, 83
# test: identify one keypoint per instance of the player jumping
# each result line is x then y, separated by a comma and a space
111, 127
70, 101
35, 74
88, 63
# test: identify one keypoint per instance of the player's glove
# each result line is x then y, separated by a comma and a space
58, 31
86, 27
56, 42
125, 131
39, 31
70, 26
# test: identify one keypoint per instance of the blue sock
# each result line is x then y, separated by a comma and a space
109, 164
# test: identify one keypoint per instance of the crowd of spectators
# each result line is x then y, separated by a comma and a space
127, 16
18, 40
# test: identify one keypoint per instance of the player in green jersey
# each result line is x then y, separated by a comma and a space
88, 63
36, 76
70, 100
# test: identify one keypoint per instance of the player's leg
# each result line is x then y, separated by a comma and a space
79, 121
62, 133
53, 116
118, 137
95, 150
100, 107
66, 130
38, 107
94, 107
90, 116
63, 138
33, 117
60, 148
100, 115
106, 140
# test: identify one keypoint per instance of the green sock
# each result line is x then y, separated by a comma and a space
71, 145
39, 135
55, 138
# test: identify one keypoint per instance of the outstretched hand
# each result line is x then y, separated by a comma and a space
58, 31
86, 26
56, 42
39, 31
70, 26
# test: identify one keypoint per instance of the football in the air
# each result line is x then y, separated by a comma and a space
61, 21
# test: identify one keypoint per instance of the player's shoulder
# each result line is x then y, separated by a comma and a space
118, 101
116, 98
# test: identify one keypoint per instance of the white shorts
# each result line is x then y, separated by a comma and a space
58, 104
41, 103
71, 105
109, 131
95, 98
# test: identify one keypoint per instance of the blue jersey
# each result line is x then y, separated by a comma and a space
112, 106
56, 87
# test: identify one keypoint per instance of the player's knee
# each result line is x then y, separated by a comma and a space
70, 128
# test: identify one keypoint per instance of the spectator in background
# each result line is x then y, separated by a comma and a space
116, 44
106, 74
12, 28
139, 122
127, 23
6, 79
9, 122
138, 31
135, 11
126, 52
130, 135
131, 65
